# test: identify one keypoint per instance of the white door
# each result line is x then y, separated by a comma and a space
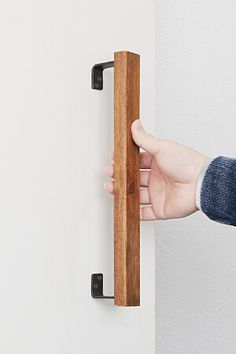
56, 134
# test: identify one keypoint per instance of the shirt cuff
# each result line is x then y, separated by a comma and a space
199, 182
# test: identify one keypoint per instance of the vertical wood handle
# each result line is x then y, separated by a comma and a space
126, 180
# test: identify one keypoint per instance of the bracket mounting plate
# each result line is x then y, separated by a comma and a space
97, 287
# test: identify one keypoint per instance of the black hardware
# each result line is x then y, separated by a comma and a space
97, 287
97, 84
97, 74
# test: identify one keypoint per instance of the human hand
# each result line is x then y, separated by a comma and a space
168, 176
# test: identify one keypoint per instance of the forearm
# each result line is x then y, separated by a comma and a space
216, 190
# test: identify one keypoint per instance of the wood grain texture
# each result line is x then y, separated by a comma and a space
126, 180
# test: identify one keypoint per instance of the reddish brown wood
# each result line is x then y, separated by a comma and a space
126, 180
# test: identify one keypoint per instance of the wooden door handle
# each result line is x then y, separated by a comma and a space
126, 178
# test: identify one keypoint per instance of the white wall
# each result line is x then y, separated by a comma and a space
196, 105
56, 135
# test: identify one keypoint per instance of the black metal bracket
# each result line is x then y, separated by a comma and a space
97, 74
97, 84
97, 287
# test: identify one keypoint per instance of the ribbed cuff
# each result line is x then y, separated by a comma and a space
199, 182
218, 191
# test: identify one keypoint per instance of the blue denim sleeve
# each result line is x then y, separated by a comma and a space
218, 190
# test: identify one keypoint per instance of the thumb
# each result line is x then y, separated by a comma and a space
145, 140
